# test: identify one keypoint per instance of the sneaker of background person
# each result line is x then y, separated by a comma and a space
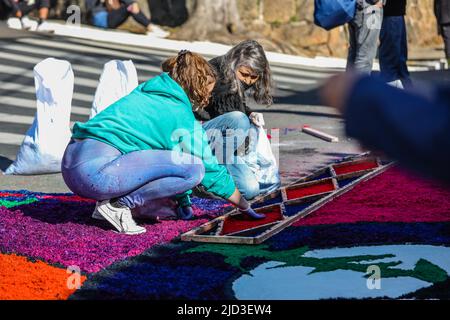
45, 27
14, 23
29, 24
156, 31
396, 84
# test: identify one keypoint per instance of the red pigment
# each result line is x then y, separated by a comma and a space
300, 192
394, 196
355, 167
8, 194
66, 198
243, 222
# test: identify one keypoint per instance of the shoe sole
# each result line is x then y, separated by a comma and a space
117, 226
98, 217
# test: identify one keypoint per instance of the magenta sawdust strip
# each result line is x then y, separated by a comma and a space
394, 196
63, 232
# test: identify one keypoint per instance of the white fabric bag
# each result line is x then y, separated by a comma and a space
118, 79
261, 159
46, 140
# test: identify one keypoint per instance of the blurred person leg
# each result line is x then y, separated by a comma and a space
364, 33
393, 52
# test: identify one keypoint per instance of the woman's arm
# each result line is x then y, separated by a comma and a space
239, 201
217, 180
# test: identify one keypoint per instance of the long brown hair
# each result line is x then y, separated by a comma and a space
193, 73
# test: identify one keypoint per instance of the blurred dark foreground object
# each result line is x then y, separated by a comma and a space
409, 127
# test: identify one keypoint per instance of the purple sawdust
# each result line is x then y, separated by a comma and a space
64, 233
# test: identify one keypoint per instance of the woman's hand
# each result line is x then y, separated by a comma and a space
133, 8
252, 214
257, 119
239, 201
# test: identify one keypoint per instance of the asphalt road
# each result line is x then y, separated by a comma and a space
296, 102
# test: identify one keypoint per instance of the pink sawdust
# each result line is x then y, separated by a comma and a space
394, 196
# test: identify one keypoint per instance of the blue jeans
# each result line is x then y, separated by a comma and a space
96, 170
364, 31
394, 50
227, 134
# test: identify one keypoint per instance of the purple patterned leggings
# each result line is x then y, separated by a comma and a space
96, 170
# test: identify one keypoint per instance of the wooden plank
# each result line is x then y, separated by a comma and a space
267, 197
319, 134
355, 174
242, 233
302, 200
314, 175
328, 168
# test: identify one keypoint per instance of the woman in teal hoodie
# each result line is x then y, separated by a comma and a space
148, 146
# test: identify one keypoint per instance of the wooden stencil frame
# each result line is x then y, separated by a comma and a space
198, 234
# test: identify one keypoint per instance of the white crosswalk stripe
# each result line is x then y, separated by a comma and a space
19, 56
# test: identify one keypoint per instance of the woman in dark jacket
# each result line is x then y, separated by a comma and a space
242, 70
442, 10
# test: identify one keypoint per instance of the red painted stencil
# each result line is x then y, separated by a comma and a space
355, 167
243, 222
304, 191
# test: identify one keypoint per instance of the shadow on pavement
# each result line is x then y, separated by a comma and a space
310, 97
302, 113
4, 163
439, 77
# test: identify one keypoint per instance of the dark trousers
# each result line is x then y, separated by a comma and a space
117, 17
445, 31
394, 50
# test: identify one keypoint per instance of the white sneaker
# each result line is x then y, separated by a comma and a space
29, 24
120, 218
157, 32
45, 27
14, 23
396, 84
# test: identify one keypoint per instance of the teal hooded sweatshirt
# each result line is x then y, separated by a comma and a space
157, 115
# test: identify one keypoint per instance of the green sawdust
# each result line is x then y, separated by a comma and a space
10, 204
234, 255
